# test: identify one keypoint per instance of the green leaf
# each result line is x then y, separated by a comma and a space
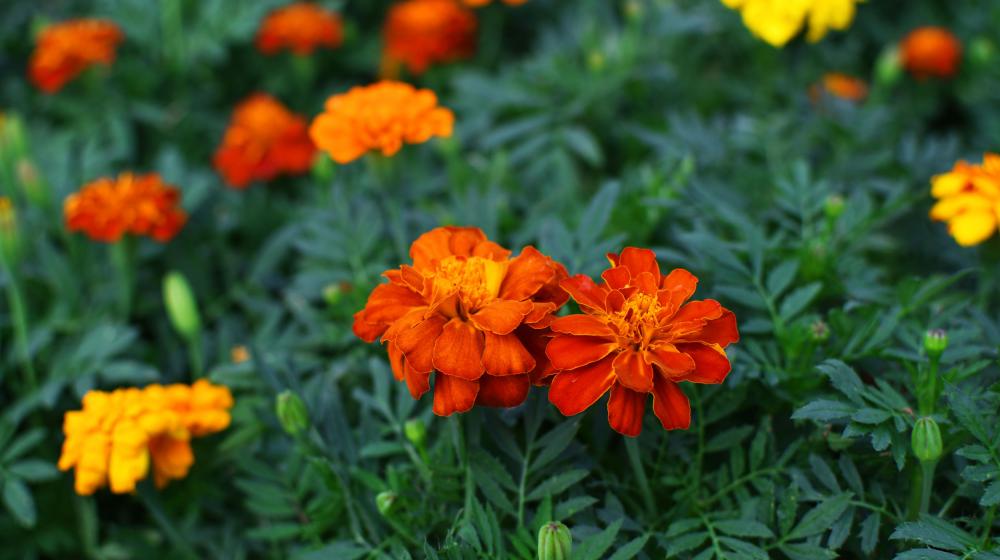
34, 470
685, 543
744, 528
631, 549
22, 445
557, 484
798, 299
992, 495
728, 439
871, 416
595, 546
851, 475
781, 277
822, 471
844, 379
804, 551
927, 554
19, 502
869, 532
934, 532
342, 550
823, 410
821, 517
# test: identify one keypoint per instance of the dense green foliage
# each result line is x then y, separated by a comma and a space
581, 127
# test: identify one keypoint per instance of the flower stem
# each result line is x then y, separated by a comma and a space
463, 457
927, 485
632, 448
18, 315
122, 254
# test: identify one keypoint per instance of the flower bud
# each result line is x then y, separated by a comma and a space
935, 342
333, 293
819, 331
13, 140
10, 236
926, 440
31, 182
555, 542
889, 67
292, 413
982, 51
385, 501
182, 307
834, 206
416, 431
596, 60
239, 354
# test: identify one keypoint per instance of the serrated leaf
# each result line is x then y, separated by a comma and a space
744, 528
851, 475
843, 379
781, 277
926, 554
824, 410
630, 549
821, 517
557, 484
822, 471
685, 543
593, 547
870, 416
992, 495
804, 551
936, 532
798, 299
34, 470
728, 438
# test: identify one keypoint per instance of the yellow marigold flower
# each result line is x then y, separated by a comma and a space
778, 21
969, 200
116, 436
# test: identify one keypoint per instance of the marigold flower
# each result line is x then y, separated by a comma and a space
66, 49
778, 21
969, 200
931, 52
116, 435
379, 117
107, 209
840, 85
301, 27
419, 33
638, 336
464, 309
264, 140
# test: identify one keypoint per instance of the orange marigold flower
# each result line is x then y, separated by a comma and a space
264, 140
66, 49
638, 336
840, 85
419, 33
116, 435
301, 28
931, 52
464, 309
379, 117
107, 209
969, 200
480, 3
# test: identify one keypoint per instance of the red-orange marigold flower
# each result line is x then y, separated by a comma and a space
264, 140
480, 3
638, 336
419, 33
931, 52
380, 117
464, 309
301, 28
840, 85
107, 209
66, 49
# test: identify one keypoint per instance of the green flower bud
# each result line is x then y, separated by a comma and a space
34, 187
834, 206
385, 502
889, 67
596, 61
555, 542
926, 440
333, 293
982, 51
416, 431
292, 413
182, 307
819, 331
323, 169
935, 342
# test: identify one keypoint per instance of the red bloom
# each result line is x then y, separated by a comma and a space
468, 311
419, 33
66, 49
301, 27
931, 52
638, 336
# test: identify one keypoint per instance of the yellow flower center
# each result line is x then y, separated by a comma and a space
637, 321
475, 280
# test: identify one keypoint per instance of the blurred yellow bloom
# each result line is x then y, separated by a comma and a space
778, 21
969, 200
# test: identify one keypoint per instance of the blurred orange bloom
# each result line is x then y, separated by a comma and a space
464, 309
638, 336
107, 209
419, 33
479, 3
969, 200
66, 49
380, 117
931, 52
301, 28
116, 435
840, 85
264, 140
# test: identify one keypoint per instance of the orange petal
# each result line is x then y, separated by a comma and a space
721, 331
417, 382
572, 392
417, 342
711, 365
504, 391
626, 409
633, 372
459, 350
671, 405
452, 394
615, 301
638, 261
680, 281
541, 314
584, 325
526, 274
389, 302
463, 241
584, 291
412, 278
501, 316
617, 277
646, 283
505, 355
367, 332
704, 310
671, 362
396, 360
431, 247
570, 351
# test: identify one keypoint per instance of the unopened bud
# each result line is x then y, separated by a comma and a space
926, 440
385, 502
555, 542
292, 413
889, 67
935, 342
13, 141
239, 354
333, 293
182, 307
31, 182
982, 51
416, 431
595, 61
834, 206
819, 331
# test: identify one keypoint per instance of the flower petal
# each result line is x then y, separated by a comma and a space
396, 360
704, 310
972, 228
584, 325
671, 405
417, 342
626, 409
453, 394
366, 331
459, 350
505, 355
680, 281
388, 303
501, 316
633, 372
711, 365
617, 277
671, 362
638, 261
504, 391
570, 351
584, 291
527, 273
721, 331
572, 392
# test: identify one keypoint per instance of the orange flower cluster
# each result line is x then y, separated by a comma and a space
931, 52
107, 209
66, 49
419, 33
469, 311
301, 27
480, 3
116, 435
841, 86
969, 200
380, 117
264, 140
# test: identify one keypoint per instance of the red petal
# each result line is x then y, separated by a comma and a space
704, 310
626, 409
526, 274
431, 247
638, 261
721, 331
452, 394
615, 301
671, 405
541, 313
633, 372
711, 365
412, 278
389, 302
646, 282
417, 342
583, 325
418, 383
501, 316
570, 351
671, 362
617, 278
505, 355
503, 392
366, 331
459, 350
680, 281
395, 360
584, 291
572, 392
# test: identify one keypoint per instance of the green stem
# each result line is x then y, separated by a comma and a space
990, 515
196, 356
632, 448
462, 454
19, 316
122, 254
926, 485
523, 484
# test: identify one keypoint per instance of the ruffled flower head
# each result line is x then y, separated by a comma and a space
638, 334
66, 49
969, 200
301, 27
468, 311
841, 86
931, 52
107, 209
419, 33
778, 21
